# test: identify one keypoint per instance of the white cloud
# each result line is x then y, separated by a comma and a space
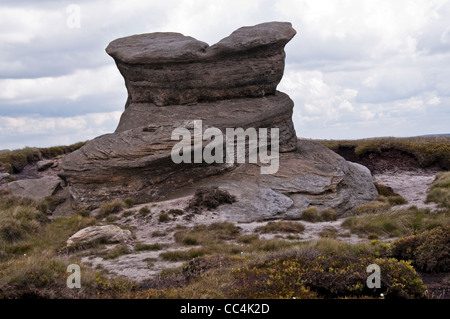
104, 80
353, 67
51, 131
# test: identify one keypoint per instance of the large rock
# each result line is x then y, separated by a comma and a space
136, 160
170, 68
34, 188
313, 175
96, 234
174, 81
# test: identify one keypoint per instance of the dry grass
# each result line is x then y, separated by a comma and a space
427, 150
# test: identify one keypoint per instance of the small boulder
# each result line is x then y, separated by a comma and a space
44, 164
93, 234
35, 188
3, 176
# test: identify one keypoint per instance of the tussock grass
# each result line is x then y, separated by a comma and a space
111, 207
281, 226
311, 214
440, 191
207, 235
395, 223
16, 160
427, 150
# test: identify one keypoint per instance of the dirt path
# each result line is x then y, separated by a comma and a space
412, 185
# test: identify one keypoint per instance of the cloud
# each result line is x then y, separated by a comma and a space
49, 131
355, 68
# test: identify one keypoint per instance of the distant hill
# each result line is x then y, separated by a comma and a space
431, 135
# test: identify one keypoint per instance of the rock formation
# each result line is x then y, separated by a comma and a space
96, 234
174, 80
172, 69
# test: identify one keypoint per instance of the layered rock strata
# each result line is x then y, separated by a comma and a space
174, 81
171, 69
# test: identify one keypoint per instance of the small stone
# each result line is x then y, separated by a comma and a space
107, 234
44, 164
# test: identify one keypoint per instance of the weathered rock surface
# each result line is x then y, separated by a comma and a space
34, 188
311, 176
3, 176
44, 164
231, 84
136, 160
104, 234
272, 111
170, 68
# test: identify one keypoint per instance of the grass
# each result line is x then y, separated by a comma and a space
16, 160
281, 226
427, 150
116, 252
146, 247
440, 191
164, 217
311, 214
182, 255
207, 235
111, 207
373, 208
144, 211
395, 223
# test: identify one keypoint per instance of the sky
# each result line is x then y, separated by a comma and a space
355, 69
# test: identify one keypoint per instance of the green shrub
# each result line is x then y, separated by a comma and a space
429, 251
311, 214
281, 226
306, 275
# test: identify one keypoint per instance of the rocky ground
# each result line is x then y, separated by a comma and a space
412, 185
